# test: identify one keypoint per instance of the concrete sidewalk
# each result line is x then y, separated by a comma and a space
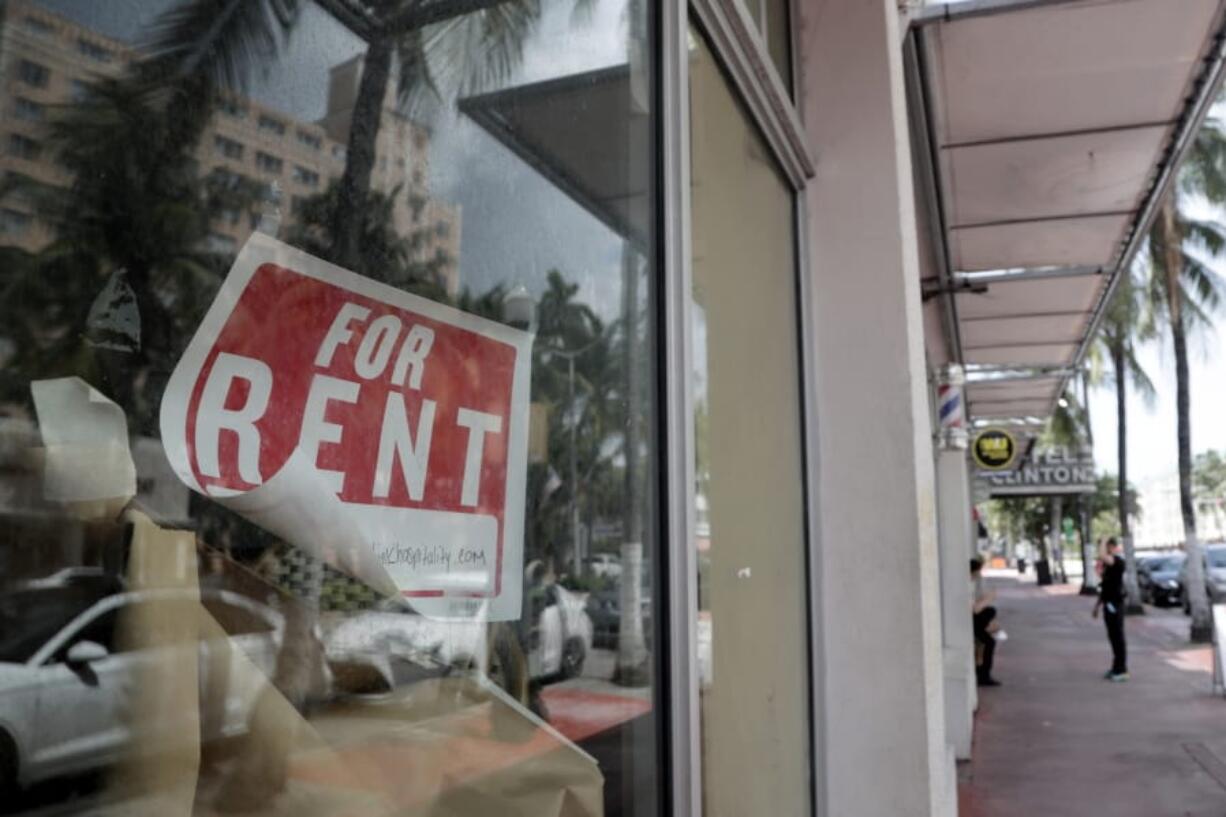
1058, 740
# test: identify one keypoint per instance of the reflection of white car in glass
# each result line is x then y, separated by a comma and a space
71, 684
376, 650
605, 565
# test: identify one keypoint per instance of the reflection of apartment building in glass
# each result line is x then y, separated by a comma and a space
46, 61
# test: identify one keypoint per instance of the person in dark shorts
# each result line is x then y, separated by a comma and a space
1111, 598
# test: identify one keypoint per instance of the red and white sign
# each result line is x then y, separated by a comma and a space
382, 431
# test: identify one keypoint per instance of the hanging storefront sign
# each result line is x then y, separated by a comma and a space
994, 449
1048, 470
380, 431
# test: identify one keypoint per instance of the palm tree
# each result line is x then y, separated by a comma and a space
1127, 324
436, 47
383, 253
1209, 481
119, 145
632, 657
1184, 292
1069, 427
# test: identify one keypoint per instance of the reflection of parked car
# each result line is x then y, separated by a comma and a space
604, 609
1158, 579
378, 649
604, 565
1215, 576
71, 678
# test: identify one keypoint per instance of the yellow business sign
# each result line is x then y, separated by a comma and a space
994, 449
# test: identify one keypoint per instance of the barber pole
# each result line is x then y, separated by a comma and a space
949, 402
951, 414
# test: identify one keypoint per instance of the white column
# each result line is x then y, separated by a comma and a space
881, 720
958, 639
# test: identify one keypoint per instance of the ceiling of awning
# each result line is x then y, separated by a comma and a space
1049, 125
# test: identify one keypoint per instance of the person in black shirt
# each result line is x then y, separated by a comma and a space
1111, 601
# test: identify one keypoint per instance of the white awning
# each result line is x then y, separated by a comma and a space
1050, 129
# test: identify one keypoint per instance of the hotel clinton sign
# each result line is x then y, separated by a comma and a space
1048, 470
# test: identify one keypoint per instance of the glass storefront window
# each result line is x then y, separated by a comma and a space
750, 533
327, 408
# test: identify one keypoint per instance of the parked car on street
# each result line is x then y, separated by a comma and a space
72, 679
605, 565
604, 609
1215, 576
1158, 578
376, 650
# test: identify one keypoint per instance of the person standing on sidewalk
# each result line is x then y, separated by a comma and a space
1111, 602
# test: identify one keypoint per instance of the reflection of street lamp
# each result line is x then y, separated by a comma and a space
570, 356
519, 309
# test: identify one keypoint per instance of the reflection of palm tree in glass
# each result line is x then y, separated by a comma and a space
383, 253
441, 46
135, 203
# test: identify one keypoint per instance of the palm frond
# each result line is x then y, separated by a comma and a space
1138, 378
1204, 170
1207, 235
416, 86
476, 51
218, 40
1202, 289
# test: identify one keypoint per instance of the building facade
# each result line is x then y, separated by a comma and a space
741, 281
50, 61
1160, 523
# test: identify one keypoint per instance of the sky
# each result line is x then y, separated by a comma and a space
1152, 443
1152, 432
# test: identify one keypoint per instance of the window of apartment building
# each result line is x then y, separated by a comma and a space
227, 147
14, 221
38, 26
94, 51
80, 90
27, 109
33, 73
338, 152
268, 163
232, 108
306, 176
23, 147
272, 125
311, 140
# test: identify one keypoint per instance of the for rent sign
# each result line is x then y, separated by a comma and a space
382, 431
